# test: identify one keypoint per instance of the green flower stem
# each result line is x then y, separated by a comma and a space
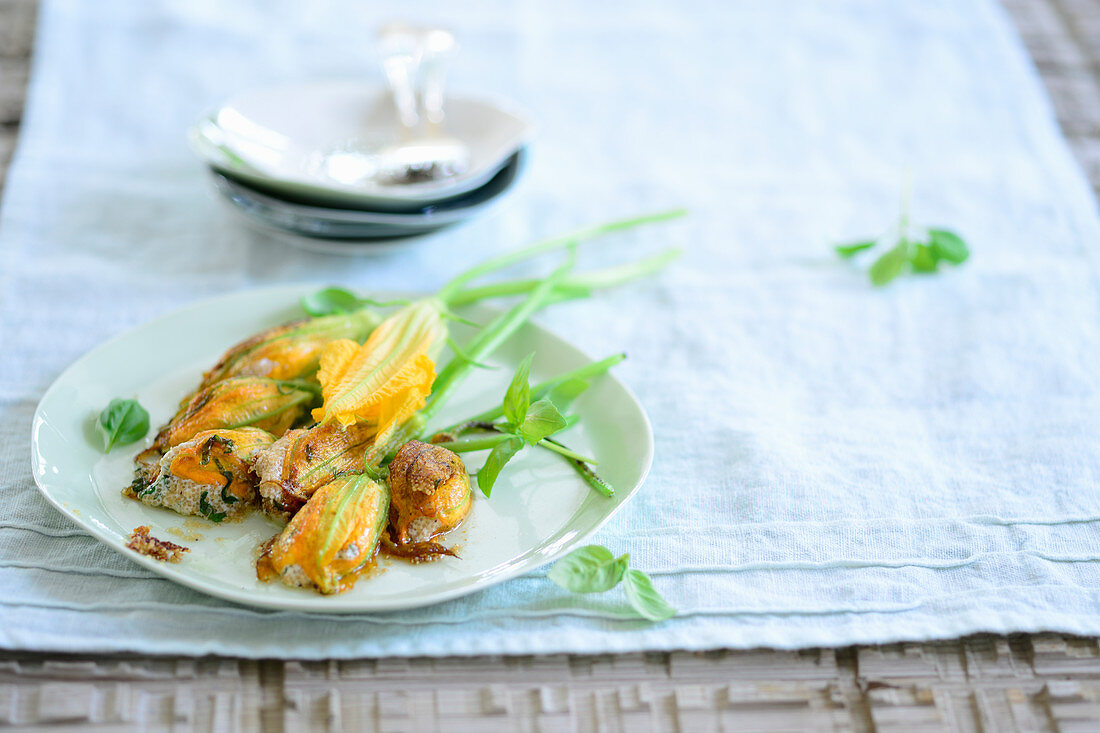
579, 463
490, 337
542, 389
575, 286
505, 288
476, 442
591, 478
561, 450
455, 286
487, 442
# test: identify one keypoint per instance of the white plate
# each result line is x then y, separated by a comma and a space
275, 137
539, 510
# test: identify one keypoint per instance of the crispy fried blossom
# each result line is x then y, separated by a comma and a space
430, 489
238, 402
303, 460
209, 475
290, 351
332, 539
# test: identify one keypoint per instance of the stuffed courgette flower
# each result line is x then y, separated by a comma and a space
290, 351
430, 491
270, 404
332, 539
209, 475
303, 460
368, 389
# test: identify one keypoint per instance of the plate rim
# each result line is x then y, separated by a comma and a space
315, 603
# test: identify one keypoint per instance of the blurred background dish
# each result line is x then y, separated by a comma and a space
306, 140
415, 61
341, 228
344, 162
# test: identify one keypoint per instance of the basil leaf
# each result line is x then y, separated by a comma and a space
122, 422
518, 397
542, 419
496, 461
853, 248
208, 511
329, 301
949, 246
925, 259
563, 395
887, 267
644, 597
590, 569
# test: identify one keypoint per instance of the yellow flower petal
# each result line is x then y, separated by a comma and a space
387, 379
335, 359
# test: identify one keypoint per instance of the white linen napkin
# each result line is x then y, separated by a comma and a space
835, 464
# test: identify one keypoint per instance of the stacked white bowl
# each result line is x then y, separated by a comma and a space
339, 165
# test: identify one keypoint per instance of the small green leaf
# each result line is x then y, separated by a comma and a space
887, 267
518, 397
542, 419
498, 458
644, 597
563, 395
590, 569
329, 301
949, 246
924, 259
122, 422
853, 248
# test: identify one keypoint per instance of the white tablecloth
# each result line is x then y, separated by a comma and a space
835, 463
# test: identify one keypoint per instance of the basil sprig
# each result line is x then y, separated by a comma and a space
122, 422
527, 423
595, 569
920, 256
920, 253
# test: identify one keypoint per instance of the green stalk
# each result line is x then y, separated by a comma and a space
542, 389
487, 442
579, 463
561, 450
589, 476
477, 442
491, 337
456, 284
574, 286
